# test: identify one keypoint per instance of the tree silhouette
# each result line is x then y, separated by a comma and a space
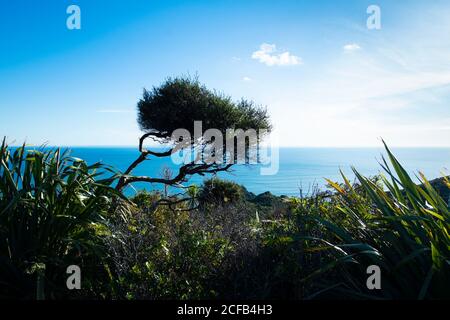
177, 104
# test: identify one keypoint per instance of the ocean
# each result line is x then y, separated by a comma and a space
299, 168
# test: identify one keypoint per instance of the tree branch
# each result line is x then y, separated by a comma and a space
184, 171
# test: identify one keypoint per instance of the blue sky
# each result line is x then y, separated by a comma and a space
326, 79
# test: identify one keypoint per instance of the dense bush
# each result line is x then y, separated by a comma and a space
218, 192
394, 224
221, 242
162, 255
52, 213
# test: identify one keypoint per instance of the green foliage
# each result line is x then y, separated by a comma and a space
397, 225
52, 211
162, 255
218, 192
179, 102
56, 211
145, 200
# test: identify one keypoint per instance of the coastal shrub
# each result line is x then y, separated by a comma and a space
219, 192
218, 241
52, 213
397, 225
163, 255
264, 265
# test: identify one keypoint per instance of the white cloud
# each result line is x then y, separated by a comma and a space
268, 55
396, 86
247, 79
352, 47
394, 90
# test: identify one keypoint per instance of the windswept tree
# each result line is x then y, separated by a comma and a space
179, 103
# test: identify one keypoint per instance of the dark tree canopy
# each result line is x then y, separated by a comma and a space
178, 102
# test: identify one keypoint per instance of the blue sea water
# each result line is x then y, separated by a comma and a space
298, 167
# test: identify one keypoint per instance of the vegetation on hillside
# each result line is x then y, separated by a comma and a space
53, 213
57, 211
